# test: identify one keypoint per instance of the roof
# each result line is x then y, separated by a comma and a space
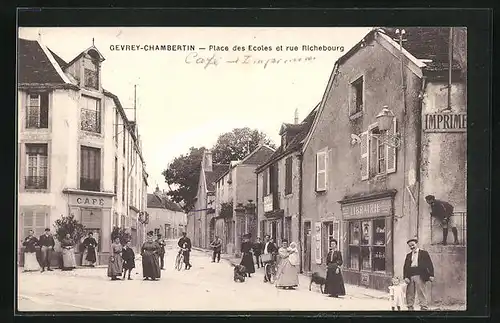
257, 157
211, 177
158, 201
59, 60
296, 142
34, 65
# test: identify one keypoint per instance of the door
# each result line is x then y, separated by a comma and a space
274, 231
307, 246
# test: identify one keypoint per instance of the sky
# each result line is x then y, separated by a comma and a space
187, 98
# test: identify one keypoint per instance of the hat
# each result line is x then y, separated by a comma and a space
47, 229
430, 197
412, 239
150, 233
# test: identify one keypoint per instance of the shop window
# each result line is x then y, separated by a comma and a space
37, 110
37, 166
367, 249
90, 169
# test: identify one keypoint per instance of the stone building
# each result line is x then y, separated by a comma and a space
234, 189
279, 183
70, 150
204, 209
365, 185
165, 216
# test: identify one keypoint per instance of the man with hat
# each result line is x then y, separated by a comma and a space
443, 212
47, 244
185, 243
418, 270
161, 252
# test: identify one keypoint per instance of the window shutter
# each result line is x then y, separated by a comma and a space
391, 152
365, 156
326, 169
321, 171
317, 242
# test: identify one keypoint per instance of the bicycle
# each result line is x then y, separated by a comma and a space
270, 271
179, 260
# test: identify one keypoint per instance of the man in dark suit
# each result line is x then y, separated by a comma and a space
258, 247
47, 244
161, 254
418, 271
185, 242
443, 212
270, 248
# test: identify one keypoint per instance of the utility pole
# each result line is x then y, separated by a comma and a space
135, 104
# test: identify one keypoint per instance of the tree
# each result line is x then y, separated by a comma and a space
121, 233
184, 173
68, 224
237, 144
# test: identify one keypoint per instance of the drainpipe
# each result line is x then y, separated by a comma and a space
301, 247
450, 63
419, 150
257, 204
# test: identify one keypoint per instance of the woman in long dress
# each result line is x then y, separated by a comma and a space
334, 280
287, 275
68, 253
89, 257
115, 266
247, 257
30, 262
150, 259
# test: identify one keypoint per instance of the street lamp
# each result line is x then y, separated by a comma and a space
385, 119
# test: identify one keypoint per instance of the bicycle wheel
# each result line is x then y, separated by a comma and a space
178, 262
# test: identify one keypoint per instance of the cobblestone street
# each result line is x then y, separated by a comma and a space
207, 286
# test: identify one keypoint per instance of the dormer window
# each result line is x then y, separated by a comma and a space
91, 69
283, 140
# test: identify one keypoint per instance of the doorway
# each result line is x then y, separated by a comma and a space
307, 246
274, 231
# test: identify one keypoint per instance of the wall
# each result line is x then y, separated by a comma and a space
444, 175
333, 132
160, 217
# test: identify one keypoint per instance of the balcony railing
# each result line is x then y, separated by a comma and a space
459, 221
91, 120
36, 182
90, 184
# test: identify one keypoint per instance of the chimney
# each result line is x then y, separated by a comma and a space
207, 160
296, 116
157, 190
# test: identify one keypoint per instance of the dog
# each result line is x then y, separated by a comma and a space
239, 273
318, 280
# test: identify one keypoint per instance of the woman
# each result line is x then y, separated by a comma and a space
30, 243
150, 260
89, 257
115, 266
287, 275
68, 253
128, 260
334, 281
247, 258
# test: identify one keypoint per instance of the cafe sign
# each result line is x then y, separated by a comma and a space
445, 122
268, 203
367, 209
90, 201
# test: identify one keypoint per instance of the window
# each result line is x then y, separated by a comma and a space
115, 219
380, 155
321, 175
367, 243
123, 184
91, 114
116, 176
117, 122
357, 96
288, 228
37, 110
90, 169
91, 74
289, 176
157, 231
37, 170
35, 220
124, 140
265, 182
122, 221
330, 231
377, 156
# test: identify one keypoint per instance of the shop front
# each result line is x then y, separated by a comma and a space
274, 225
93, 210
368, 243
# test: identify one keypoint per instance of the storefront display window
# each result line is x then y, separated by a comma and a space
367, 245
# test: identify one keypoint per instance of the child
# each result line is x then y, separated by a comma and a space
128, 260
396, 292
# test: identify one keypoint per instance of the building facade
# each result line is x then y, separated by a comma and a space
279, 185
165, 216
234, 190
204, 208
66, 141
365, 187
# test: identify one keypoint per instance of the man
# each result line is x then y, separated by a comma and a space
417, 272
47, 244
443, 212
185, 240
161, 254
257, 251
270, 248
217, 246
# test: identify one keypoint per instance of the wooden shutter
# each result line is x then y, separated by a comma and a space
317, 242
365, 155
391, 152
388, 245
321, 176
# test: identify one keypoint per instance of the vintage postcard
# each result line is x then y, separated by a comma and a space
242, 169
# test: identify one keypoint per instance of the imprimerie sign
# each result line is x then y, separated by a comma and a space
445, 122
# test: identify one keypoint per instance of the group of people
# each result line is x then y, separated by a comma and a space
46, 244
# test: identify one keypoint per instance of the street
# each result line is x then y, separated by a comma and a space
206, 287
